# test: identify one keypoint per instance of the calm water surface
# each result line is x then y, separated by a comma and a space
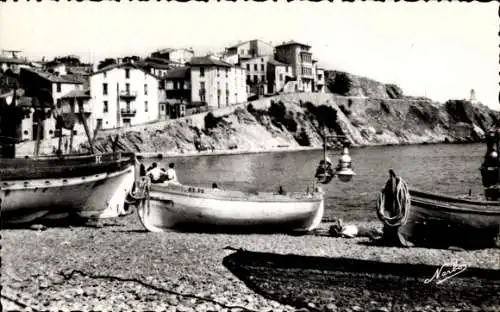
449, 169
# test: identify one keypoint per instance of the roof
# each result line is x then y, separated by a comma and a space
277, 63
156, 64
19, 92
167, 50
69, 79
292, 42
180, 72
77, 94
208, 61
4, 59
244, 42
122, 65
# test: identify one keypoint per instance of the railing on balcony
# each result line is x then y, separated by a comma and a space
127, 94
127, 112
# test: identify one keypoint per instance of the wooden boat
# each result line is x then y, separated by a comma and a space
53, 187
88, 186
417, 218
206, 209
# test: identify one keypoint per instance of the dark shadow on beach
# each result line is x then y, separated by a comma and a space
301, 281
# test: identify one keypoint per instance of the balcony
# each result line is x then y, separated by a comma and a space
128, 95
127, 112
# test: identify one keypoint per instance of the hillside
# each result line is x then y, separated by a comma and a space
366, 111
371, 113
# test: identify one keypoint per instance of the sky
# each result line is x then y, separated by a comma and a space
438, 50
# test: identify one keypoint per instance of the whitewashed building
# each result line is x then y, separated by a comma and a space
123, 95
216, 82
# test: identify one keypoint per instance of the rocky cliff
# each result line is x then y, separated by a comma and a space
366, 111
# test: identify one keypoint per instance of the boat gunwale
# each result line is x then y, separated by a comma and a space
438, 205
415, 193
8, 185
272, 198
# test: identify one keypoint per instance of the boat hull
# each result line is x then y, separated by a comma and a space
442, 221
205, 209
99, 194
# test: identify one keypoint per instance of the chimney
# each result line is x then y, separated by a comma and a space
118, 60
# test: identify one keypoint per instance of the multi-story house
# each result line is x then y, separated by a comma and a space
216, 82
278, 75
123, 95
181, 56
257, 73
299, 56
319, 78
249, 49
54, 85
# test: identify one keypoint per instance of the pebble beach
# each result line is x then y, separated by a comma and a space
115, 265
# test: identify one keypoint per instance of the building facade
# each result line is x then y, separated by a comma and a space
123, 95
216, 82
36, 82
278, 75
298, 55
319, 78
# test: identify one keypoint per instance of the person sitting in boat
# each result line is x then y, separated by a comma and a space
171, 174
155, 173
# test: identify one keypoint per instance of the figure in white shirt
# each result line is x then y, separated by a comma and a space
154, 173
171, 174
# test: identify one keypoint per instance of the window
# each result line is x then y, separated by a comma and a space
105, 88
175, 85
217, 71
145, 89
281, 77
227, 72
202, 72
104, 74
262, 59
248, 66
162, 107
255, 66
146, 106
249, 78
202, 85
261, 66
255, 79
263, 78
128, 106
127, 87
58, 87
319, 76
127, 73
105, 107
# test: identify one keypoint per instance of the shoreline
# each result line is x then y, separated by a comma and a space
284, 149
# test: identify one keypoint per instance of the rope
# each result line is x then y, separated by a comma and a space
140, 191
396, 197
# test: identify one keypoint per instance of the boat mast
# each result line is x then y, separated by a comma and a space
85, 126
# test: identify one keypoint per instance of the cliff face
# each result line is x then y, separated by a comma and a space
370, 113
